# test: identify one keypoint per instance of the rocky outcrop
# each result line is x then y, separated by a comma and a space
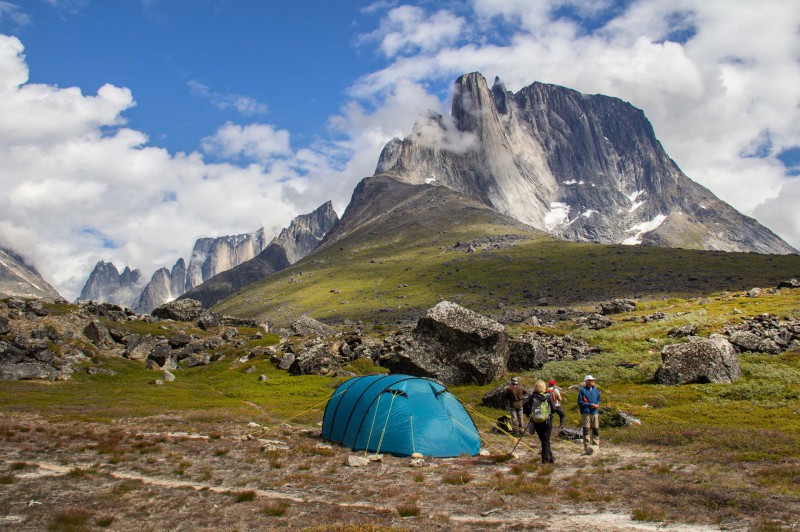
765, 333
616, 306
701, 360
581, 167
533, 350
20, 279
451, 344
306, 325
292, 244
182, 310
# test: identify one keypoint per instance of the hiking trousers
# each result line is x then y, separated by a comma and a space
517, 419
543, 430
562, 417
590, 422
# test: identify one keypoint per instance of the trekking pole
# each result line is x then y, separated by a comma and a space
520, 438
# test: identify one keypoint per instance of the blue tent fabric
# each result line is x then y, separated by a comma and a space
399, 415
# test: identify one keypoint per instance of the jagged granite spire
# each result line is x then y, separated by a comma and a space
106, 284
581, 167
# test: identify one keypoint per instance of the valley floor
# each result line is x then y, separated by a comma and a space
175, 473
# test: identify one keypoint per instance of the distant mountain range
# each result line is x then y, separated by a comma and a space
210, 257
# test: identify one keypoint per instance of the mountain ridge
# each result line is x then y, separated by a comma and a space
580, 167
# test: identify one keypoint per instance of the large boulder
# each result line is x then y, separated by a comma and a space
702, 360
308, 326
314, 358
98, 334
27, 371
141, 347
526, 353
451, 344
179, 310
616, 306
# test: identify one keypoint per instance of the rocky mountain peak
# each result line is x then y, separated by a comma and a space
107, 284
580, 167
20, 279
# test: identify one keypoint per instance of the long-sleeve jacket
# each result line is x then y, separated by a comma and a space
587, 397
515, 395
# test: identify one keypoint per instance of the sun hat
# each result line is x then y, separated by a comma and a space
551, 382
588, 378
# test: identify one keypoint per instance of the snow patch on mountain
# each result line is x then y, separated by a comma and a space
557, 215
642, 228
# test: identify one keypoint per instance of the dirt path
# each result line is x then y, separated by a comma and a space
146, 477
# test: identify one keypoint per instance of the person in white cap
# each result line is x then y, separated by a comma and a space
589, 403
515, 395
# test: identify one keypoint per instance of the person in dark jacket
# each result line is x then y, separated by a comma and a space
543, 428
589, 403
515, 396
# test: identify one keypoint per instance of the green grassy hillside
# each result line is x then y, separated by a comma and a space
402, 274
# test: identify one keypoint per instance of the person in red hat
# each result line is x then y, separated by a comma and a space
555, 393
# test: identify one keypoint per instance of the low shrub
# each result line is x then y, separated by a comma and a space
276, 508
244, 496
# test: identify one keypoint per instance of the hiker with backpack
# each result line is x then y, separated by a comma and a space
555, 392
541, 407
589, 404
515, 396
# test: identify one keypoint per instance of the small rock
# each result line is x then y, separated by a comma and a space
375, 458
357, 461
158, 382
754, 292
253, 425
262, 378
168, 377
485, 452
250, 369
417, 462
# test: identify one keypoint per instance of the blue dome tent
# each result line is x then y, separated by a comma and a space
399, 415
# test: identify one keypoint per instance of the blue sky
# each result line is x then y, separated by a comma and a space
292, 62
129, 128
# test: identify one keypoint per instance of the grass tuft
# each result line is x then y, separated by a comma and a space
408, 510
276, 508
244, 496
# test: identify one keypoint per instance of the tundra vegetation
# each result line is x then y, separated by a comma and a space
222, 447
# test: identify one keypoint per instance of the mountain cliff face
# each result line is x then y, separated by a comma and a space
18, 279
293, 243
581, 167
108, 285
211, 256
